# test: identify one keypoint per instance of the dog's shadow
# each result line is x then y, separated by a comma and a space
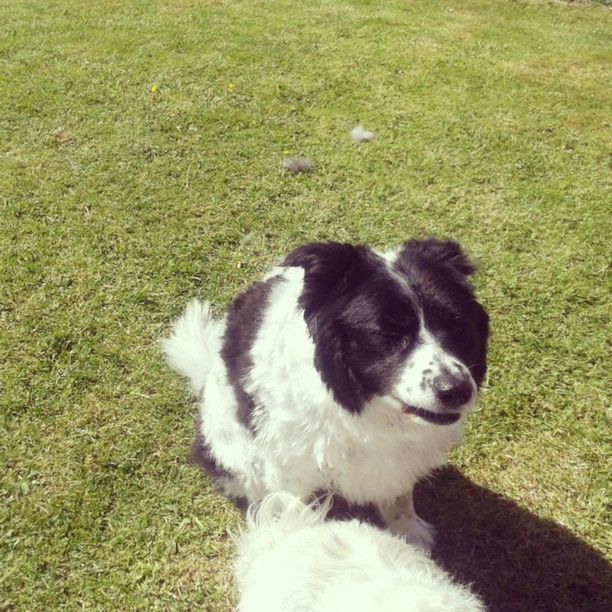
515, 560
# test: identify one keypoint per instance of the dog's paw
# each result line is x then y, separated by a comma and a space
421, 534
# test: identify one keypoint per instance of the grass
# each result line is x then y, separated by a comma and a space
140, 165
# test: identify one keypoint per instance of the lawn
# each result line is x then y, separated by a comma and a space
141, 148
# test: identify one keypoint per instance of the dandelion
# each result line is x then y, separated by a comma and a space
154, 88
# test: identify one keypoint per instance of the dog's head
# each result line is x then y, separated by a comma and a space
405, 326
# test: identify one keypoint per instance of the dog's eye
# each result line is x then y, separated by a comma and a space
397, 334
405, 341
404, 325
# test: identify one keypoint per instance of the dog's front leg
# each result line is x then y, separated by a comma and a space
401, 519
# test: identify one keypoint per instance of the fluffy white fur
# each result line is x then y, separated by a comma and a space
291, 560
305, 441
195, 344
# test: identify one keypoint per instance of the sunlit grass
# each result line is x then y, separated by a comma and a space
140, 165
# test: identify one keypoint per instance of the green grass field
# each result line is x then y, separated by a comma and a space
140, 165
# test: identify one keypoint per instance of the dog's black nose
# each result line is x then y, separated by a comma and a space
451, 391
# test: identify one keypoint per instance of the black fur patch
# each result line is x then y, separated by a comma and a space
343, 510
244, 318
446, 253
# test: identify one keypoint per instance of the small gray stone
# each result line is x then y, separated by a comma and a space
297, 165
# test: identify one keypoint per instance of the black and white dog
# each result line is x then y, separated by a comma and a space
345, 370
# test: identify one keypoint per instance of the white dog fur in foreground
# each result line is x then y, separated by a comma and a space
291, 560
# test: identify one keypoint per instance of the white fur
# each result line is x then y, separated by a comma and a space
195, 344
304, 440
290, 560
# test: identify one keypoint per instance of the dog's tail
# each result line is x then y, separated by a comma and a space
194, 344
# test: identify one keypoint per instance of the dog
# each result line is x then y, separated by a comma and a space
290, 559
344, 370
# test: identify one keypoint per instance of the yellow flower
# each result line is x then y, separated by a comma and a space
154, 88
231, 86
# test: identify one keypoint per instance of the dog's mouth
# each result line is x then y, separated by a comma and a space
439, 418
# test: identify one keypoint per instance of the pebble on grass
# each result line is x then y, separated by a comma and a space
297, 165
360, 134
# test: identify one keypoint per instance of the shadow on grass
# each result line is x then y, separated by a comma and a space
515, 560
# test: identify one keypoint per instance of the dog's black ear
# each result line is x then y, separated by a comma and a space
330, 269
333, 271
325, 259
446, 253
